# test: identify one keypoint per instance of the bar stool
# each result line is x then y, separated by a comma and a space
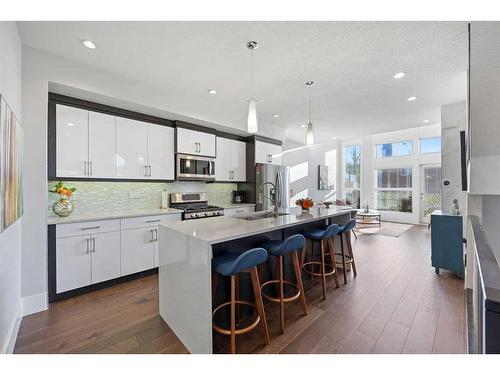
345, 235
325, 239
230, 264
279, 249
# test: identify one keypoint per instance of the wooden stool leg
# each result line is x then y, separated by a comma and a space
312, 257
351, 254
282, 295
237, 295
261, 270
278, 272
303, 255
343, 257
298, 276
215, 279
258, 302
355, 235
322, 264
334, 262
233, 318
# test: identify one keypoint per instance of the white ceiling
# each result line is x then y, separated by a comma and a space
352, 64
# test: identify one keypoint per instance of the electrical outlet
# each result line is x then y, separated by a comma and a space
134, 195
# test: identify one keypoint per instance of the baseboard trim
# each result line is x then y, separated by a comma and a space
10, 343
35, 303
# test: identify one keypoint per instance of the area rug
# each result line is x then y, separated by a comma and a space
386, 229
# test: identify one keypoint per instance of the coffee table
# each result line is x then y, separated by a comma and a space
371, 217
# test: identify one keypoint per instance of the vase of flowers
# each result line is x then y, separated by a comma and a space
63, 207
305, 203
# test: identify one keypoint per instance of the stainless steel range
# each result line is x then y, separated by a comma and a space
194, 205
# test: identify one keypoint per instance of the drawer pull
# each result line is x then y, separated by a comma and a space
153, 221
89, 228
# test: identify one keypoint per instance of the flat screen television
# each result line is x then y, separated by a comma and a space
463, 159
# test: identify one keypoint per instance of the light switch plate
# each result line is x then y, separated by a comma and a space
134, 195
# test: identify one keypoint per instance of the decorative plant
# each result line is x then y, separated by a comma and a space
64, 191
305, 203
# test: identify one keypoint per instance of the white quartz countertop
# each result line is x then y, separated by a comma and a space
220, 229
77, 218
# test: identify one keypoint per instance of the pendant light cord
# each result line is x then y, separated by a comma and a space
310, 99
251, 76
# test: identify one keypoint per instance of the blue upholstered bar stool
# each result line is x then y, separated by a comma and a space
325, 239
230, 264
279, 249
345, 237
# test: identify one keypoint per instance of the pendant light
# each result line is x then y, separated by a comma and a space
252, 123
310, 131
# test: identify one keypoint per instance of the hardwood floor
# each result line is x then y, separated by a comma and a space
397, 304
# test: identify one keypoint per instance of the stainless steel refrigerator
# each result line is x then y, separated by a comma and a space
272, 183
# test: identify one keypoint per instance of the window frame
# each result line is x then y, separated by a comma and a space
409, 141
429, 153
376, 189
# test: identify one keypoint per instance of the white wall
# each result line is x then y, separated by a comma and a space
10, 239
303, 163
453, 120
369, 163
41, 72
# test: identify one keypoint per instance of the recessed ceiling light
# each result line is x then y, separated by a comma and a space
334, 137
399, 75
89, 44
276, 115
303, 126
71, 124
412, 98
212, 91
425, 121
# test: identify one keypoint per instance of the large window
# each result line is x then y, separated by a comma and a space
430, 145
352, 173
387, 150
393, 189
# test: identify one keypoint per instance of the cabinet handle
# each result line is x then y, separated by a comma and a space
89, 228
156, 234
152, 235
153, 221
149, 170
199, 147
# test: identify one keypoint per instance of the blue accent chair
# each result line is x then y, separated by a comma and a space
231, 264
325, 239
279, 248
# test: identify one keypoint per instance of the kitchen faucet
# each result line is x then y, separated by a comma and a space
273, 201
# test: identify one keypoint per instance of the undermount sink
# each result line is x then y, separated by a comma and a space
258, 215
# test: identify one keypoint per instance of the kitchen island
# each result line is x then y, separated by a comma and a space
186, 249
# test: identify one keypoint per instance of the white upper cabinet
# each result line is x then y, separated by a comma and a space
101, 145
195, 143
230, 164
161, 152
268, 153
131, 149
72, 130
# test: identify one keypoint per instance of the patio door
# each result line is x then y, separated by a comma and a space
430, 191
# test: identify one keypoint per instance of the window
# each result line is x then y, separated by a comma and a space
387, 150
352, 173
393, 189
430, 145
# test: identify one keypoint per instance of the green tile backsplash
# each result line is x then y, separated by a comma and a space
92, 197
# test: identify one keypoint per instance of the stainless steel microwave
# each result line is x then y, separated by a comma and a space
195, 168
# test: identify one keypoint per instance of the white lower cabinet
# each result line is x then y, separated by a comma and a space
138, 250
105, 256
87, 259
73, 264
108, 249
238, 210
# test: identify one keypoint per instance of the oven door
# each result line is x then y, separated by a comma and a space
195, 168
